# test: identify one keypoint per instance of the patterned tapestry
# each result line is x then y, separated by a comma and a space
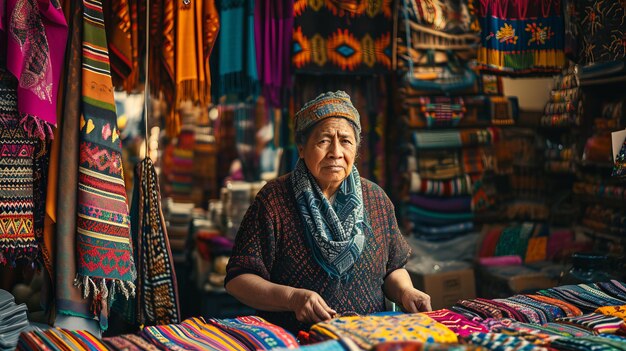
598, 30
17, 153
342, 36
521, 37
104, 262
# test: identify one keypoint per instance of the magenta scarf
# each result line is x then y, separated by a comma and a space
36, 35
273, 28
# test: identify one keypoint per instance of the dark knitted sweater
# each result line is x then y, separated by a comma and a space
271, 243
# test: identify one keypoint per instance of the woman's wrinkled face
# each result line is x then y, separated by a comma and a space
330, 151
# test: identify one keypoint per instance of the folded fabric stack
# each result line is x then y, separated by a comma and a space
13, 320
367, 331
178, 216
564, 107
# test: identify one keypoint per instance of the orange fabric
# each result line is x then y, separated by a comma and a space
569, 309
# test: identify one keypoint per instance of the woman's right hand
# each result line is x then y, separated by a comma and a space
309, 306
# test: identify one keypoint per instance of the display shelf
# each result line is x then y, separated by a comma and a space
600, 235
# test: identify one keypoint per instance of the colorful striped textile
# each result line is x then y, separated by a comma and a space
59, 339
192, 334
367, 331
499, 341
157, 291
568, 329
595, 322
419, 346
614, 288
569, 309
615, 311
342, 344
17, 156
439, 139
105, 264
551, 312
256, 333
588, 343
456, 322
519, 37
436, 112
451, 187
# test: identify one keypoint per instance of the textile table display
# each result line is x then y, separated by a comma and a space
595, 322
520, 37
366, 331
256, 333
498, 341
456, 322
104, 254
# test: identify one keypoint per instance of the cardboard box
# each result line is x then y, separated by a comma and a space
505, 281
446, 288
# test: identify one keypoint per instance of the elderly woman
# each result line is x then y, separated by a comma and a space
321, 240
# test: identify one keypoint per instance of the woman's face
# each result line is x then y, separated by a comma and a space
329, 151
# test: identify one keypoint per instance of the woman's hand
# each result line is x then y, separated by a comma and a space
415, 301
309, 306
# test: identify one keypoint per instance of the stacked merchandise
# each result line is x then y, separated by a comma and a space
602, 196
178, 217
13, 320
571, 317
453, 124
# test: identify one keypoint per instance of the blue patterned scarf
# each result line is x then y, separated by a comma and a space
334, 232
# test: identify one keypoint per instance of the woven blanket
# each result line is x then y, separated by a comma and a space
17, 152
456, 322
192, 334
454, 139
499, 341
367, 331
105, 262
256, 333
157, 292
60, 339
451, 187
355, 37
595, 322
587, 343
614, 288
518, 37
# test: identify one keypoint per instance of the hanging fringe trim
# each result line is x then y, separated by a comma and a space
103, 291
28, 250
36, 128
187, 90
549, 60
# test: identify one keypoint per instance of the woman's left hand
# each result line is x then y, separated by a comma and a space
415, 301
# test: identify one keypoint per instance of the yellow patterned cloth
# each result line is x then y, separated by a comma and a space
615, 311
367, 331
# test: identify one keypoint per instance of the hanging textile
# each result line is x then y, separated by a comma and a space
36, 32
601, 28
68, 298
273, 25
157, 292
104, 263
521, 37
17, 157
342, 36
120, 36
237, 63
191, 77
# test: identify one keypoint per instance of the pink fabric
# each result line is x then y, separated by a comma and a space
500, 260
26, 44
458, 323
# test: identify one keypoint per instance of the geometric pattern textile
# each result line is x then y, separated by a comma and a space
336, 37
104, 262
17, 235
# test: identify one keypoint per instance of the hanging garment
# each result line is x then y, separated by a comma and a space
120, 39
273, 26
36, 33
17, 161
521, 37
104, 263
190, 74
342, 37
237, 63
157, 292
600, 27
